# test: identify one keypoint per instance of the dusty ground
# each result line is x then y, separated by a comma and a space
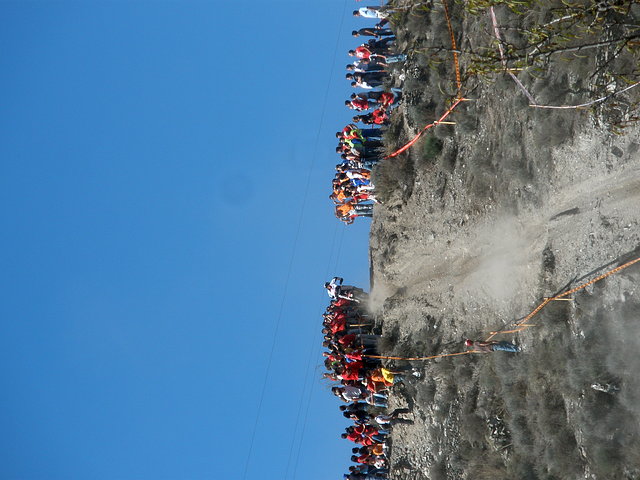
509, 206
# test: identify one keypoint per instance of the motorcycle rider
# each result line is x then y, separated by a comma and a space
334, 287
335, 290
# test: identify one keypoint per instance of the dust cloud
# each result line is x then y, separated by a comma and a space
504, 254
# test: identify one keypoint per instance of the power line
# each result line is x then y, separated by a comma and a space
293, 254
309, 361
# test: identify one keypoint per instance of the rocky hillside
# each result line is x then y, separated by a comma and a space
483, 219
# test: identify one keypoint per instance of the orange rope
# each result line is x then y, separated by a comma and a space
458, 86
421, 358
453, 47
522, 324
415, 139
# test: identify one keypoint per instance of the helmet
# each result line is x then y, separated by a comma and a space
468, 343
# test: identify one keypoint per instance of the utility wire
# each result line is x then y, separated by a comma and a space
291, 261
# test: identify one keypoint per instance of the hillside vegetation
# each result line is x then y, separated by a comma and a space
483, 219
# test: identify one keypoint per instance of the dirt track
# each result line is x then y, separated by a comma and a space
518, 203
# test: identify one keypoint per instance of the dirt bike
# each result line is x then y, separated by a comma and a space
353, 294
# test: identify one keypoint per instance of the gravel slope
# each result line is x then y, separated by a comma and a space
518, 203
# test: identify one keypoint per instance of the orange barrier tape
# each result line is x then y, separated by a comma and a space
453, 46
415, 139
421, 358
522, 324
459, 98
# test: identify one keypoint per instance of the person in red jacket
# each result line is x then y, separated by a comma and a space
377, 117
350, 371
365, 435
359, 103
360, 52
386, 99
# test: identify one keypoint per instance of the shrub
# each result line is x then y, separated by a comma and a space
393, 176
438, 470
431, 147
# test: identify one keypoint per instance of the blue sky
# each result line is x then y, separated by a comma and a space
159, 177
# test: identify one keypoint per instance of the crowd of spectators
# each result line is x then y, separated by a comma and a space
350, 337
360, 144
362, 382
